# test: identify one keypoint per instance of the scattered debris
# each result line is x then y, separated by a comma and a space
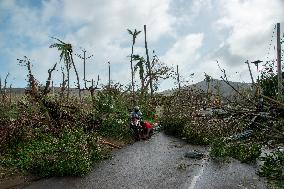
241, 136
194, 155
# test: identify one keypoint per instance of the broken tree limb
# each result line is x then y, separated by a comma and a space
273, 100
48, 81
110, 144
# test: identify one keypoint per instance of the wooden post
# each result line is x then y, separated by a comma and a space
84, 62
109, 74
52, 86
84, 58
247, 62
0, 84
178, 79
10, 94
148, 62
279, 70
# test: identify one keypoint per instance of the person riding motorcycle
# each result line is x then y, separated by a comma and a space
136, 113
136, 117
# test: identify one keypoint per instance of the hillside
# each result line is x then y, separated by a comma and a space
225, 89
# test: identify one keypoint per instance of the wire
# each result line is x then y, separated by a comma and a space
270, 44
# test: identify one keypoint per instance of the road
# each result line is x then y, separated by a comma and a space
159, 163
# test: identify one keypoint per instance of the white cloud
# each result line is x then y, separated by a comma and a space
245, 27
251, 24
98, 26
108, 20
184, 51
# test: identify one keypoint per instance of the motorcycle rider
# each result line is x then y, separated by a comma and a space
136, 113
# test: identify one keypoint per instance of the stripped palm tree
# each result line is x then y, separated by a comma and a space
66, 54
134, 34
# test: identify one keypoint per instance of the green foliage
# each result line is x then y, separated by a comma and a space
196, 135
219, 149
244, 152
269, 80
173, 125
134, 34
111, 109
72, 153
9, 112
273, 168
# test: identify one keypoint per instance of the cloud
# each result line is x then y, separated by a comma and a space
107, 20
251, 24
193, 34
184, 50
98, 26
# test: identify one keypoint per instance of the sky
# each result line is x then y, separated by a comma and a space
193, 34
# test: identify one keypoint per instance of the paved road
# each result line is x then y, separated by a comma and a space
159, 163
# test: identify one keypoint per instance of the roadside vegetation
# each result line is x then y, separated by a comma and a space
47, 133
238, 126
66, 132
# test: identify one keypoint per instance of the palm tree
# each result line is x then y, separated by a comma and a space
66, 54
134, 34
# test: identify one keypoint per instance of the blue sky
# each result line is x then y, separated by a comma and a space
190, 33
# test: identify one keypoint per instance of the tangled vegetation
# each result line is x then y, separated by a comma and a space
273, 168
65, 132
239, 128
57, 134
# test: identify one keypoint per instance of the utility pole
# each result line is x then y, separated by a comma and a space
109, 74
247, 62
84, 51
84, 61
148, 62
178, 79
279, 70
52, 87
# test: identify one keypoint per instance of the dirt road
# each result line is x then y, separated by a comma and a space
159, 163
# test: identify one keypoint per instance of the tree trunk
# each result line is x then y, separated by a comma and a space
132, 75
77, 76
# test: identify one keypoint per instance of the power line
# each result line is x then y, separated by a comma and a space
271, 40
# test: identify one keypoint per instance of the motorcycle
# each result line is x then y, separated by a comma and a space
137, 128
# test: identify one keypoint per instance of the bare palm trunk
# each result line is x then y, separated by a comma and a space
148, 62
77, 76
132, 74
68, 79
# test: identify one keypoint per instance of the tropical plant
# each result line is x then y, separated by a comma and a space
134, 34
66, 54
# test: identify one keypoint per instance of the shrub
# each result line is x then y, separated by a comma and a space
196, 135
273, 168
114, 126
111, 113
218, 148
173, 125
72, 153
244, 152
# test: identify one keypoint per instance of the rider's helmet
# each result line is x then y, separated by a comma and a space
136, 109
